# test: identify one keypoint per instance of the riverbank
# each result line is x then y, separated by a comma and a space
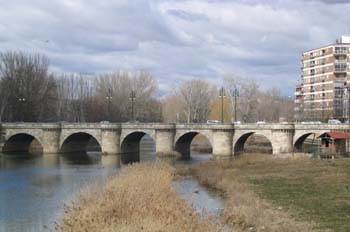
139, 198
267, 194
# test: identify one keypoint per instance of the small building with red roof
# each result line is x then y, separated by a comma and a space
334, 143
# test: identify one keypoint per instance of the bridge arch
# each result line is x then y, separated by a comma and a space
238, 146
299, 141
298, 144
131, 143
183, 143
80, 142
23, 142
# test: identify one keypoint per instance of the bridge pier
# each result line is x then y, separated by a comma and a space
222, 144
110, 142
50, 141
165, 142
282, 142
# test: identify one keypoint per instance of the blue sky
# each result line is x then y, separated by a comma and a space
176, 40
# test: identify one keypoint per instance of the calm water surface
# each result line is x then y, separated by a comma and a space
33, 189
202, 199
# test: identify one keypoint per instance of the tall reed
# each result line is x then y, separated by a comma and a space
139, 198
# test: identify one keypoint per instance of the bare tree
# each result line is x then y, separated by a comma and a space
28, 92
173, 110
195, 96
28, 87
75, 95
248, 97
4, 98
121, 85
254, 104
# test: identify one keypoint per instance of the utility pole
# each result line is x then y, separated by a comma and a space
132, 98
222, 95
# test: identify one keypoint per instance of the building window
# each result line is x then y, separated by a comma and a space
340, 67
340, 50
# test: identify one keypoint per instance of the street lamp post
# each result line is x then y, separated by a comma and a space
222, 95
22, 101
132, 98
109, 98
235, 94
160, 112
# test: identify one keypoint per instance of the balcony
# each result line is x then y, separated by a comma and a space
339, 70
340, 52
340, 61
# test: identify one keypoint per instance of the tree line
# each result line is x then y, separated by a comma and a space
29, 92
241, 100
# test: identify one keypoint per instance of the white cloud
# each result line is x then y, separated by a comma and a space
175, 40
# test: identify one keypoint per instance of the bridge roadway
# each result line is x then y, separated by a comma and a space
226, 140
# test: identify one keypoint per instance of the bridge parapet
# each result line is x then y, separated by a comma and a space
204, 126
322, 126
30, 125
265, 126
147, 126
81, 125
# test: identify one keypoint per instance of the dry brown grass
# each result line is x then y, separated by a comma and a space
139, 198
244, 209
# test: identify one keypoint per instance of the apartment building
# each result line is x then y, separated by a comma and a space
325, 83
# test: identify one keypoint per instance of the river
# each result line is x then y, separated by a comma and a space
33, 189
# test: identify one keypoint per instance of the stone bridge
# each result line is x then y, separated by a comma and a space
226, 140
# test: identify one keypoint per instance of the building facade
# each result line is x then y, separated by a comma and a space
325, 83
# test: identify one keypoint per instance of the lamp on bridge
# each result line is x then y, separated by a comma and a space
222, 95
235, 94
22, 101
132, 98
109, 98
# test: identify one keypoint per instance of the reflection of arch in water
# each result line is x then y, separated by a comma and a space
23, 143
80, 142
240, 143
183, 143
135, 145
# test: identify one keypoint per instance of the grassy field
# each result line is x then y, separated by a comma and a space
261, 193
268, 194
139, 198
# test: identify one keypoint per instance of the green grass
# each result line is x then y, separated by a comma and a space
313, 190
